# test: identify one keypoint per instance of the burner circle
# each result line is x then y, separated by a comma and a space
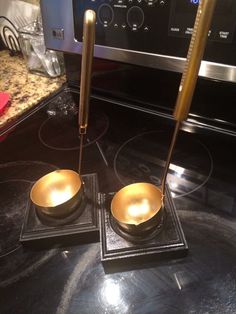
142, 159
62, 132
17, 179
11, 219
22, 170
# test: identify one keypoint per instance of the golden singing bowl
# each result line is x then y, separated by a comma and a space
58, 193
137, 207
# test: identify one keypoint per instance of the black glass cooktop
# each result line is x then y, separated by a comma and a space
122, 146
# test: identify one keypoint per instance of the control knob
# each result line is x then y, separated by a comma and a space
135, 17
105, 14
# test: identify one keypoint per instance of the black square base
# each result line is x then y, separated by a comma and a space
78, 228
120, 254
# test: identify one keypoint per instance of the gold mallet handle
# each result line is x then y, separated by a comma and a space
194, 57
86, 70
189, 77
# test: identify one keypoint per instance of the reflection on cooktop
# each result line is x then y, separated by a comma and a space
203, 282
142, 158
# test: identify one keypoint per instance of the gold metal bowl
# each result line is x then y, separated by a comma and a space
136, 207
58, 193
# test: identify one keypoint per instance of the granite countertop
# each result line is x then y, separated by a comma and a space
26, 90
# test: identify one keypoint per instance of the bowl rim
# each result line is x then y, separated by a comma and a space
131, 185
47, 175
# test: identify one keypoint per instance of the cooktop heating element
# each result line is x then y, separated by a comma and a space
62, 125
142, 158
16, 181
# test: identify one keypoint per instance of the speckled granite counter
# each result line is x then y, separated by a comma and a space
26, 89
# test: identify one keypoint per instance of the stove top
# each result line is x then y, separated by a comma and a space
122, 146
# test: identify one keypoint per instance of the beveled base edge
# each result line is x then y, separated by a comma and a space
134, 256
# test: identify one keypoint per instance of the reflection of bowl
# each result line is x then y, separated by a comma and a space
58, 193
137, 207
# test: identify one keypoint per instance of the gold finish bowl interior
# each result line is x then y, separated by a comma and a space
55, 188
136, 203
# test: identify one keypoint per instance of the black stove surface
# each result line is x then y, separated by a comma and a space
122, 146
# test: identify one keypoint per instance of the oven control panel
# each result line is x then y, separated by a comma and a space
223, 25
125, 24
148, 25
152, 33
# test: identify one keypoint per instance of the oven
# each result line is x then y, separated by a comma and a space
150, 33
139, 62
129, 130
